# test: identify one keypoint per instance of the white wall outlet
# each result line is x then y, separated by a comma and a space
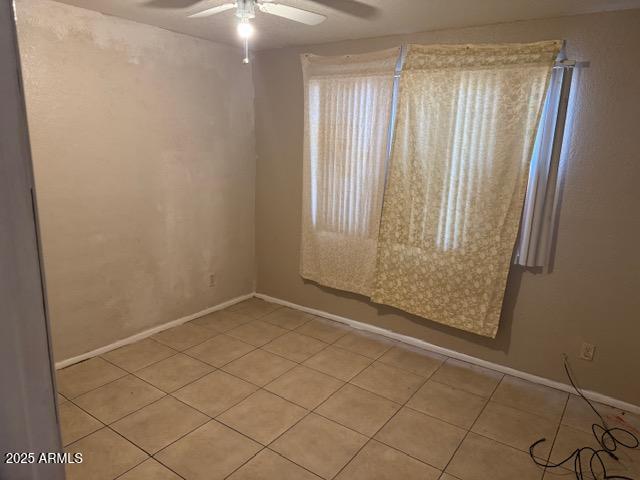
212, 280
587, 351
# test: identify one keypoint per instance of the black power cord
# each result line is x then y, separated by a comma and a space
609, 439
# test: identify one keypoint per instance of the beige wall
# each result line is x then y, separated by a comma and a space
144, 156
593, 293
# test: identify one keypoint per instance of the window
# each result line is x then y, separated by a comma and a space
348, 131
350, 105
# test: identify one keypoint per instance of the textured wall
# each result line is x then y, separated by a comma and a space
143, 146
593, 292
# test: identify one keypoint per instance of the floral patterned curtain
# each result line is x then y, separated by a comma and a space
466, 122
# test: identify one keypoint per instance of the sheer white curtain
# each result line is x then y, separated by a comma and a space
348, 102
466, 122
538, 216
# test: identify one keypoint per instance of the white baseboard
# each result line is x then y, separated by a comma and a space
149, 332
595, 396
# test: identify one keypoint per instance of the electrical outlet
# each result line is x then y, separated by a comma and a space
587, 351
212, 280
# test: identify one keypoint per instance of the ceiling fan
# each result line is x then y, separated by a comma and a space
246, 11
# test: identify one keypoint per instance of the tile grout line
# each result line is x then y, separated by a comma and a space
149, 457
182, 386
218, 333
254, 346
242, 356
109, 425
314, 411
85, 436
70, 399
344, 382
225, 333
372, 437
165, 394
369, 438
209, 417
176, 352
404, 405
152, 455
258, 387
309, 411
161, 390
132, 373
240, 401
444, 470
372, 361
214, 418
241, 433
491, 399
289, 460
555, 437
347, 330
248, 460
137, 446
522, 410
229, 334
191, 346
131, 344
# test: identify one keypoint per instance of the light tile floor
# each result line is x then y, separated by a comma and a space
260, 392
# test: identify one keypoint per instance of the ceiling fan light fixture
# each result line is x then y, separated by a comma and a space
245, 29
245, 10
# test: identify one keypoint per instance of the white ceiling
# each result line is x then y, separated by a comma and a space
393, 17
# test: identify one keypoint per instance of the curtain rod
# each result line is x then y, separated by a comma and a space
570, 64
559, 64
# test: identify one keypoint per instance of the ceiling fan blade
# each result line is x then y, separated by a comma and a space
212, 11
171, 3
292, 13
350, 7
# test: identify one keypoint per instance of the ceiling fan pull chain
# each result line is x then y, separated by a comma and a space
246, 51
